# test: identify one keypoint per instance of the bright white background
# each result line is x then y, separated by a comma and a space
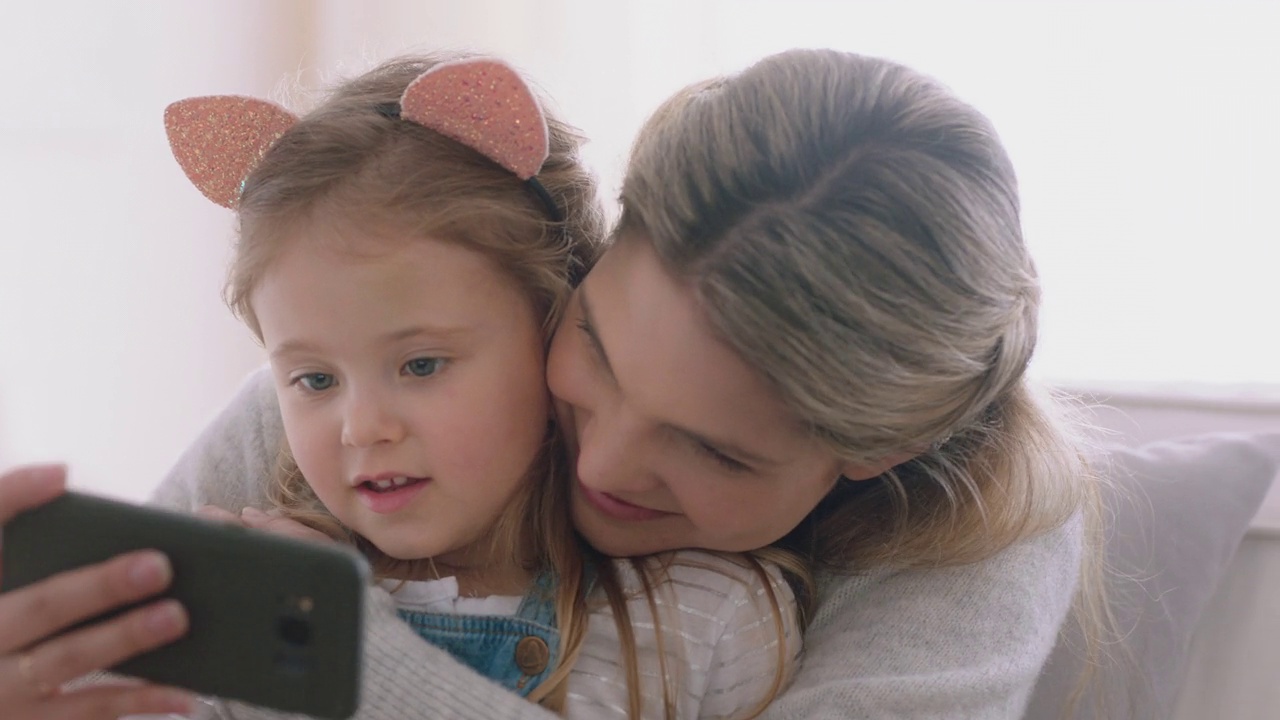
1144, 134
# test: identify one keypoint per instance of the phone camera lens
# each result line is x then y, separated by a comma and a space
294, 631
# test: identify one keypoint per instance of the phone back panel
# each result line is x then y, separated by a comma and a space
274, 621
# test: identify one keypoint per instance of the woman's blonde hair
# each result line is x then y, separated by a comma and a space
347, 165
852, 230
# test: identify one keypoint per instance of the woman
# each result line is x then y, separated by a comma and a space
808, 337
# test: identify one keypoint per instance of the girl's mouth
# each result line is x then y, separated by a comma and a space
391, 494
390, 484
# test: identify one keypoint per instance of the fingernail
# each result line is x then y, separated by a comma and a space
252, 512
150, 572
165, 618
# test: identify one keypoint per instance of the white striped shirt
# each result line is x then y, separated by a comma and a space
720, 639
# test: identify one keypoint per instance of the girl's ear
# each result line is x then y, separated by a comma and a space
218, 139
485, 105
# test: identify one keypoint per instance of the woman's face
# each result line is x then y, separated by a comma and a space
678, 443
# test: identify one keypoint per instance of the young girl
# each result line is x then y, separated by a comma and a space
405, 251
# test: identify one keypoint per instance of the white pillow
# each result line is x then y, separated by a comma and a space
1180, 509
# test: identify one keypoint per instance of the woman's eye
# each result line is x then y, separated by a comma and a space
724, 461
423, 367
316, 382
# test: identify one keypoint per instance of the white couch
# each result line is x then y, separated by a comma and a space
1230, 668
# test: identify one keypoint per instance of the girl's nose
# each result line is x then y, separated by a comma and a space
369, 420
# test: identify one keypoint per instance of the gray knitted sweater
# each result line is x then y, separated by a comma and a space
964, 643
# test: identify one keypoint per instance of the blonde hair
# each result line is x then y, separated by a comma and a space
346, 164
852, 230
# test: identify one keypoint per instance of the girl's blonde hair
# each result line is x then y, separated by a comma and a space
347, 165
852, 230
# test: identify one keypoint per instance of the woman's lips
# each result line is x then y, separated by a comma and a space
618, 509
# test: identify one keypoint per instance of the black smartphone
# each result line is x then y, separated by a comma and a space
275, 621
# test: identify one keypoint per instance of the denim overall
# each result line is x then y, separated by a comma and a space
517, 651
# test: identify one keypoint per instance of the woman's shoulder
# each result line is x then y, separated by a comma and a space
229, 462
1046, 564
927, 633
250, 421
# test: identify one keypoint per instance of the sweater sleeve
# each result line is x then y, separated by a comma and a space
229, 464
403, 676
962, 643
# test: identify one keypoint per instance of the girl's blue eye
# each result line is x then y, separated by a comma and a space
423, 367
316, 382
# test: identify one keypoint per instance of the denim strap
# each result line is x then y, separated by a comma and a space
516, 651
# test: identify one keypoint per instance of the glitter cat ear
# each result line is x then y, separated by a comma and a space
485, 105
220, 138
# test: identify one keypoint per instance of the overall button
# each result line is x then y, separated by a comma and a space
532, 655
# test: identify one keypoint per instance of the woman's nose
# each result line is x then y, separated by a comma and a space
611, 453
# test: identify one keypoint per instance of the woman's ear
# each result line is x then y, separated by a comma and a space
851, 471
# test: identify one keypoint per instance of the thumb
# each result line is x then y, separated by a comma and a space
23, 488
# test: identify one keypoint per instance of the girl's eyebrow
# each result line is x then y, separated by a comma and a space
435, 333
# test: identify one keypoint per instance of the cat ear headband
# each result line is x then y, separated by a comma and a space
481, 103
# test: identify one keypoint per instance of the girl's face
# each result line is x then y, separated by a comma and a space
411, 381
678, 442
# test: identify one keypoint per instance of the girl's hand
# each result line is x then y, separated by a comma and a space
217, 514
34, 665
273, 522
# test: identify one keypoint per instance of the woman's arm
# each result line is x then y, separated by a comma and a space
403, 676
231, 461
963, 643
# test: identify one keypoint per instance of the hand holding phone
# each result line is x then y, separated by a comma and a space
32, 661
274, 621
